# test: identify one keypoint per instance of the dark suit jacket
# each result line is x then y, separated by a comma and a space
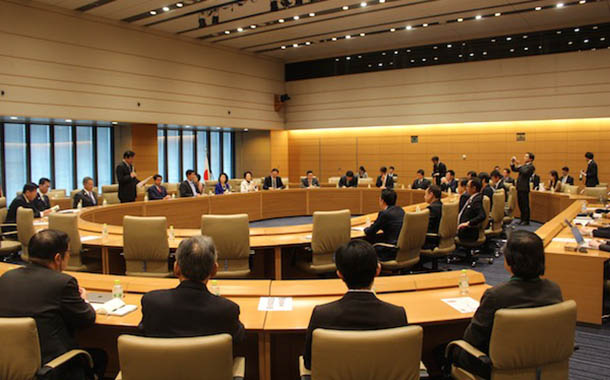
389, 182
82, 196
436, 212
390, 222
314, 182
42, 202
535, 179
52, 299
525, 172
189, 310
11, 215
186, 190
453, 185
602, 232
441, 169
269, 185
592, 179
421, 184
127, 185
155, 193
343, 182
463, 199
514, 294
489, 192
474, 214
355, 311
569, 180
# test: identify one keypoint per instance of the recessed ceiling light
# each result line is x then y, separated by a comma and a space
345, 7
449, 45
252, 26
559, 5
312, 14
525, 36
218, 128
577, 30
526, 48
348, 37
595, 27
472, 54
460, 19
559, 32
508, 38
425, 25
582, 1
423, 59
307, 43
114, 123
165, 9
478, 17
539, 46
362, 34
14, 117
497, 14
460, 55
187, 126
484, 53
570, 42
370, 65
493, 40
586, 41
412, 61
295, 45
363, 4
336, 59
153, 12
393, 30
283, 47
68, 120
435, 47
240, 29
436, 58
395, 51
512, 50
538, 8
334, 38
179, 5
280, 20
295, 17
603, 39
380, 64
348, 58
246, 129
383, 53
227, 32
381, 1
409, 27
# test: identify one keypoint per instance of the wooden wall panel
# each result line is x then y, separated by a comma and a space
279, 152
144, 144
253, 153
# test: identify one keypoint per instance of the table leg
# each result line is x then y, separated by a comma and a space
264, 356
277, 256
105, 261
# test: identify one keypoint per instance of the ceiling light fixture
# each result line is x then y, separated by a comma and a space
381, 1
165, 9
348, 58
409, 27
425, 25
345, 7
393, 30
280, 20
582, 1
559, 5
312, 14
252, 26
449, 45
460, 19
227, 32
334, 38
295, 18
362, 34
363, 4
498, 14
295, 45
68, 120
179, 5
577, 30
538, 8
240, 29
478, 17
153, 12
14, 117
307, 43
283, 47
348, 37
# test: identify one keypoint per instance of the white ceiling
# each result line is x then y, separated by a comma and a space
267, 39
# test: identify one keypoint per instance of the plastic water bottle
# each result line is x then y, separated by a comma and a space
463, 283
215, 289
172, 234
584, 206
145, 197
369, 186
117, 290
417, 208
287, 186
104, 202
105, 231
402, 187
173, 195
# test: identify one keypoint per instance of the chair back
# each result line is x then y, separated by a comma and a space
448, 226
172, 188
331, 229
25, 228
20, 351
527, 341
57, 193
570, 189
599, 193
231, 236
602, 184
334, 180
210, 187
235, 185
206, 357
497, 211
366, 181
68, 223
511, 203
412, 236
145, 246
111, 194
388, 354
484, 223
3, 210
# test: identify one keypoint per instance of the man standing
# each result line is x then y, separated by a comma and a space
523, 184
590, 174
42, 199
439, 170
127, 178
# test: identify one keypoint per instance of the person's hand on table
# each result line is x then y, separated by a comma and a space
83, 293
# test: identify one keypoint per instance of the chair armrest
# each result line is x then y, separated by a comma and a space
304, 373
239, 368
119, 376
385, 245
49, 367
472, 350
430, 234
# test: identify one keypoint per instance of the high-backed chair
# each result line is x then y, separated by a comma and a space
172, 188
20, 352
331, 229
25, 229
235, 185
204, 357
530, 343
473, 246
446, 234
366, 181
388, 354
334, 180
68, 223
210, 186
599, 193
111, 194
8, 246
145, 246
231, 235
496, 222
511, 205
57, 193
410, 240
570, 189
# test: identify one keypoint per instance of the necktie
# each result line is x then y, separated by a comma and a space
274, 183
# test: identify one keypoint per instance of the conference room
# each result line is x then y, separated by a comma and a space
385, 189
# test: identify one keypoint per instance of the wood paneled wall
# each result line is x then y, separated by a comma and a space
252, 152
144, 144
279, 152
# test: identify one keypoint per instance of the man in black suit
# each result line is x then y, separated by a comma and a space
348, 180
523, 185
58, 305
190, 309
590, 174
566, 178
25, 200
463, 191
309, 181
506, 177
274, 181
42, 199
392, 173
389, 220
439, 170
86, 197
359, 309
156, 191
384, 180
188, 187
471, 174
448, 182
127, 178
524, 260
433, 199
420, 182
486, 189
496, 183
472, 214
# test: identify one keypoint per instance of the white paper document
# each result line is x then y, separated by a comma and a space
114, 307
87, 238
361, 229
275, 304
69, 211
462, 304
568, 240
582, 221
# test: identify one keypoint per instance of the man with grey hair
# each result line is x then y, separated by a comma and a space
190, 309
86, 196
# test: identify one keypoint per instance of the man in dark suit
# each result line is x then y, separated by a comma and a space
188, 187
448, 182
506, 177
86, 197
58, 305
420, 182
359, 309
471, 174
274, 181
590, 174
524, 256
190, 309
433, 199
496, 183
156, 191
127, 178
472, 214
439, 170
348, 180
26, 200
463, 191
523, 185
42, 199
309, 181
486, 190
566, 178
384, 180
392, 173
389, 220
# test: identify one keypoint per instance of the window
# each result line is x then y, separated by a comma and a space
227, 154
173, 156
84, 154
161, 155
104, 157
215, 154
64, 171
16, 169
188, 157
40, 152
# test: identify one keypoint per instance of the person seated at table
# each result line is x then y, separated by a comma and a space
156, 191
496, 183
506, 178
309, 181
248, 185
348, 180
389, 220
190, 309
472, 214
392, 173
433, 199
448, 182
385, 180
554, 183
188, 187
420, 182
566, 178
486, 189
41, 291
25, 200
86, 197
274, 181
359, 308
471, 174
42, 198
463, 191
222, 187
524, 261
362, 173
535, 181
200, 185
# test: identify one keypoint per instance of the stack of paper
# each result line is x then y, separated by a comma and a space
462, 304
116, 307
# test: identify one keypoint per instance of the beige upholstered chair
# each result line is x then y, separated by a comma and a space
334, 180
410, 240
474, 245
8, 246
388, 354
570, 189
20, 351
602, 184
497, 222
172, 188
204, 357
210, 187
111, 194
57, 193
68, 223
331, 229
145, 246
446, 234
511, 205
231, 236
235, 185
527, 341
366, 181
599, 193
25, 229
